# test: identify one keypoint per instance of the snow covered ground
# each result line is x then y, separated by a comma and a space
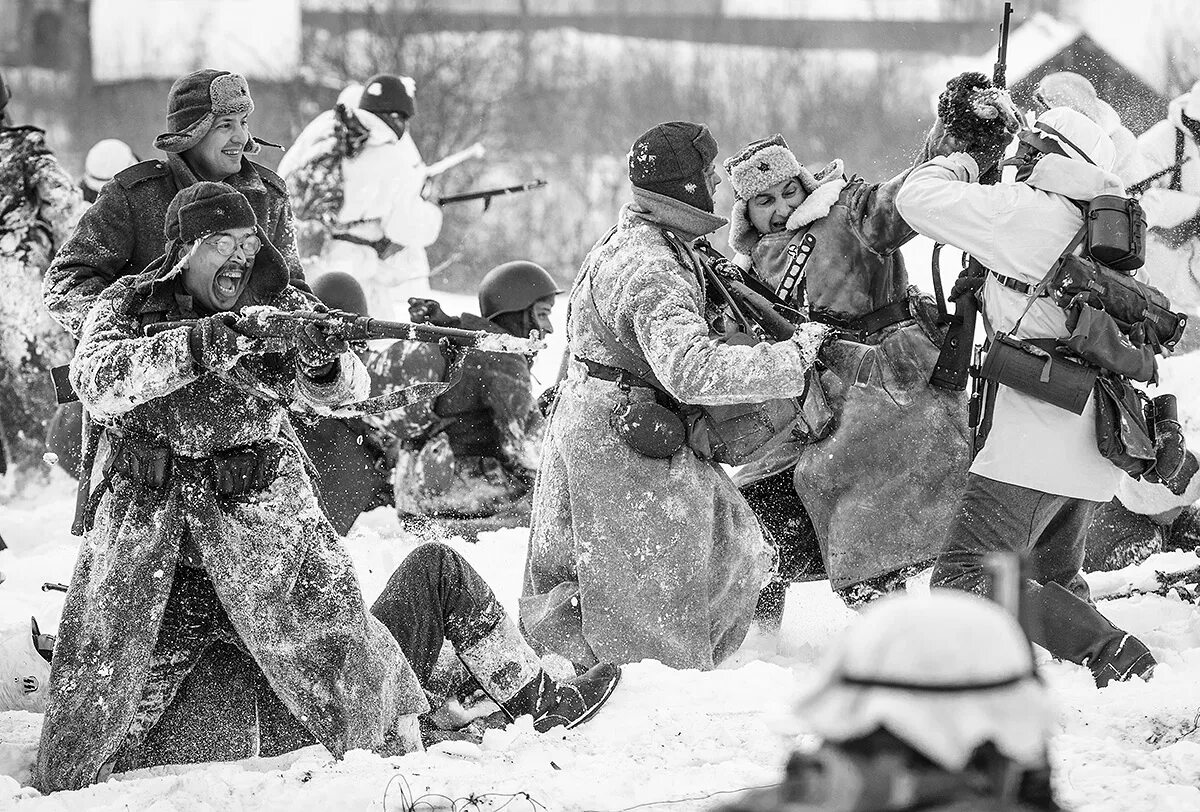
666, 735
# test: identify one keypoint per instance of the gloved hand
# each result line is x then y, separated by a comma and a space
318, 347
215, 344
429, 311
967, 282
1174, 466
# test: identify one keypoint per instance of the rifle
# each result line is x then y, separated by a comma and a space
261, 322
1142, 185
486, 195
1167, 582
951, 370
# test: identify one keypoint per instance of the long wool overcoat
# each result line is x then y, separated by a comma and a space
882, 487
633, 557
122, 232
278, 569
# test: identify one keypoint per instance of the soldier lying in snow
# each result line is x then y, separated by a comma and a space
470, 456
213, 613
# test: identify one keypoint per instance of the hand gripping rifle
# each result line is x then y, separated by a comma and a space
269, 323
954, 360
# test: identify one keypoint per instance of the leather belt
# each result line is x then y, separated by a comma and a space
872, 322
1024, 288
604, 372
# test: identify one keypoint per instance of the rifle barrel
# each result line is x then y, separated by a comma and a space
487, 194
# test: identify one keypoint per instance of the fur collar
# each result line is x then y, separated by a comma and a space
816, 205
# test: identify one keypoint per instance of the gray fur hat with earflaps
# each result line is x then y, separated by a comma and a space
757, 167
195, 103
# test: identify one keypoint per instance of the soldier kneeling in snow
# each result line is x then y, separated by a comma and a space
213, 613
470, 456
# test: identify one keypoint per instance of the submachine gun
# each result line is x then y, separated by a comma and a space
954, 361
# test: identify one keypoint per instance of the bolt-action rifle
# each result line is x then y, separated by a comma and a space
486, 195
283, 325
952, 367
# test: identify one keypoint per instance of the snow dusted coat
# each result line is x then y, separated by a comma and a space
632, 557
881, 489
122, 233
39, 205
276, 565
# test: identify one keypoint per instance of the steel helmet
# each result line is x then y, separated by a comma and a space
388, 93
945, 672
341, 291
513, 287
104, 160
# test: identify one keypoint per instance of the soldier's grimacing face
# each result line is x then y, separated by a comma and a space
770, 209
216, 280
219, 153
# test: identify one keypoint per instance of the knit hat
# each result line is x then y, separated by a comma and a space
205, 208
196, 101
388, 93
671, 159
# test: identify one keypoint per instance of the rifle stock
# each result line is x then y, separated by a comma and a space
954, 361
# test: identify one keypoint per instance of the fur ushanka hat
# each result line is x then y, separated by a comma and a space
759, 166
196, 101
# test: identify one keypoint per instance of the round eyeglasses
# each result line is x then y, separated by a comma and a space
226, 244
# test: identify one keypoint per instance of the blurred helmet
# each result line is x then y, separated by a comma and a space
341, 291
1079, 136
945, 673
388, 93
513, 287
104, 160
350, 95
1067, 89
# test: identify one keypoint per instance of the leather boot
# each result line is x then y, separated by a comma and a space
511, 674
567, 702
1072, 629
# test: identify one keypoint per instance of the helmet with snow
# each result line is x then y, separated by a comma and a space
392, 98
104, 160
1067, 89
946, 674
514, 287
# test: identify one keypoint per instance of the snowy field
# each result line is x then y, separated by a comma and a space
667, 739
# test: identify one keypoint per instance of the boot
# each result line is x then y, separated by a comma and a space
1072, 629
569, 703
512, 675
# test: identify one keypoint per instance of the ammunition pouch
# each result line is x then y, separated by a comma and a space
231, 473
1122, 432
734, 434
1039, 369
653, 428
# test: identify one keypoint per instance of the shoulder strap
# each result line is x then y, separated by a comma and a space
1177, 175
608, 337
1041, 286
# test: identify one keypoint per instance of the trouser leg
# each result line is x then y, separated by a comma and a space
1118, 537
787, 526
435, 595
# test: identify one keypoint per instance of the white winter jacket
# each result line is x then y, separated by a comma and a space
1019, 230
1165, 207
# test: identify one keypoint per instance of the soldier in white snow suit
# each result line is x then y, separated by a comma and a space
1172, 205
882, 454
213, 613
104, 160
469, 458
634, 556
1069, 89
1039, 478
39, 206
926, 703
363, 179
